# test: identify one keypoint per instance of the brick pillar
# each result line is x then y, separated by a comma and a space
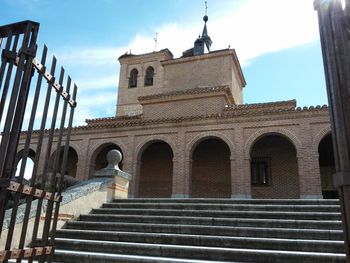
183, 183
241, 188
134, 183
309, 181
240, 169
179, 180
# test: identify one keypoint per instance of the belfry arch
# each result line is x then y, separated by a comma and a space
211, 169
155, 170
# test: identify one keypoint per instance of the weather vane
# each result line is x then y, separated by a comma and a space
155, 42
206, 6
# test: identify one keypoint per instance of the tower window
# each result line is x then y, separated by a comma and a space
149, 76
260, 171
133, 78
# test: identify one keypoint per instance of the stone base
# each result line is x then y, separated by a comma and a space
180, 196
311, 196
241, 196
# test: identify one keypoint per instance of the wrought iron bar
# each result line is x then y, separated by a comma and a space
54, 171
11, 63
26, 152
39, 146
6, 135
63, 166
29, 54
26, 65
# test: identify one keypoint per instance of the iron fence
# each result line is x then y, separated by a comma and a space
19, 68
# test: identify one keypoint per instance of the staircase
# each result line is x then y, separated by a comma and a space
205, 230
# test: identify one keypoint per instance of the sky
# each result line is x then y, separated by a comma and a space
277, 42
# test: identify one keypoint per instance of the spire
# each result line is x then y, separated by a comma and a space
204, 39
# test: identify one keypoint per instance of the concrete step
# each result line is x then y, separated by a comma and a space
220, 213
231, 201
227, 207
318, 234
214, 221
69, 256
325, 246
195, 252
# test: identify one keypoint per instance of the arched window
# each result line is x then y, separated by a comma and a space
149, 76
133, 78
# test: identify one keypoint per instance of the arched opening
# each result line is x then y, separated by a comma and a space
149, 76
327, 167
133, 78
71, 165
156, 171
211, 169
274, 168
29, 164
99, 157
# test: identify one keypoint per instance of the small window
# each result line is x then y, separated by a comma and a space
149, 76
133, 78
260, 171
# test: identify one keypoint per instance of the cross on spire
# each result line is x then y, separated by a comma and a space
206, 7
155, 41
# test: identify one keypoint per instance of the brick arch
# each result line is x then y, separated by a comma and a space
19, 154
268, 131
96, 148
206, 135
154, 178
210, 175
319, 136
100, 143
149, 140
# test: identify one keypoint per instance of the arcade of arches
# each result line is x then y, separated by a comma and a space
272, 164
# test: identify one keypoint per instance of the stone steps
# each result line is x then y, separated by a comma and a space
205, 230
328, 246
220, 213
214, 221
211, 230
225, 207
230, 201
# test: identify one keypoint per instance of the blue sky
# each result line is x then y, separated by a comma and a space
277, 42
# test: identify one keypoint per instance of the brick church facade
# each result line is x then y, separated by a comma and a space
184, 131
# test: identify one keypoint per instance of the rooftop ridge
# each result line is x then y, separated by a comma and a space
165, 50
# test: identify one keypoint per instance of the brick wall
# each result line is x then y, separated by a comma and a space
211, 172
284, 168
184, 108
156, 174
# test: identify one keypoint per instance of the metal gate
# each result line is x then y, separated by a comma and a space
23, 107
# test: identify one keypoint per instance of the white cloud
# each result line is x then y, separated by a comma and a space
254, 28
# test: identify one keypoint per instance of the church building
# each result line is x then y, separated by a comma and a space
184, 131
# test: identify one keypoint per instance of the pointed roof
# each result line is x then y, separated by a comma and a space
205, 37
